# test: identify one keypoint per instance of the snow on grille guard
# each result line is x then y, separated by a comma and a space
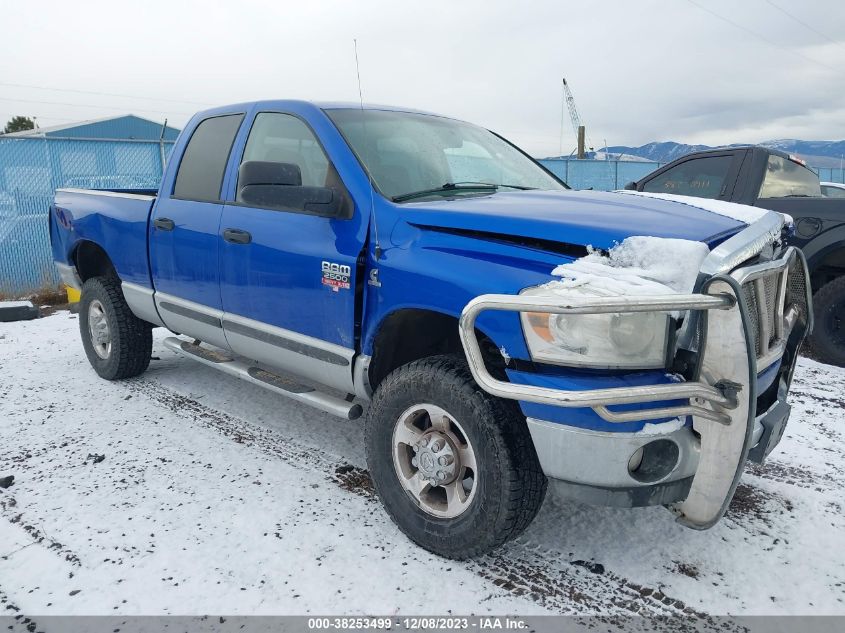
734, 341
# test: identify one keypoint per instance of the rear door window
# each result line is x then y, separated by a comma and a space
700, 177
785, 178
200, 174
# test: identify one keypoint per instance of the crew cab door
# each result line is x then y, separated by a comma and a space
183, 238
711, 176
289, 267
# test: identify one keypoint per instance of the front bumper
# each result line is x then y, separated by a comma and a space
594, 466
746, 322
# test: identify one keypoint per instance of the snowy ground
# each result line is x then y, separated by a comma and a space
218, 497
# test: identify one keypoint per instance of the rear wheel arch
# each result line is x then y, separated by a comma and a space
92, 261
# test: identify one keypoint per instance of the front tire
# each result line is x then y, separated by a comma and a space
118, 344
828, 338
454, 467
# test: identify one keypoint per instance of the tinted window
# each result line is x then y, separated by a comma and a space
699, 177
785, 177
200, 174
833, 192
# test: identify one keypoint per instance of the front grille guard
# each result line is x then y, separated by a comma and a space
709, 400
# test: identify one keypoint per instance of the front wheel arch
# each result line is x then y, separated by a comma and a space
409, 334
828, 338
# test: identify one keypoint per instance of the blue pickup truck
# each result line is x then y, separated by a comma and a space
397, 265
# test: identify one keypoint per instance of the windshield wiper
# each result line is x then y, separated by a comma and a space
466, 185
447, 187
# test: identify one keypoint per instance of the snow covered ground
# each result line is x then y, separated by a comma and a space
215, 496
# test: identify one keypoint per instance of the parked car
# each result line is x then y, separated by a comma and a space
346, 257
771, 179
833, 189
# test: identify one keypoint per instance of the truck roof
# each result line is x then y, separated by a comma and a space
727, 148
282, 104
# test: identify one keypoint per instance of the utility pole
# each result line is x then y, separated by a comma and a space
581, 149
161, 152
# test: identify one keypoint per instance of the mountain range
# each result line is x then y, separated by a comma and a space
816, 153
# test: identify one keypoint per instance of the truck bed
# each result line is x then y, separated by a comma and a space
116, 219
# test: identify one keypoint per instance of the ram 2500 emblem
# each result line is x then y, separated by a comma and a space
336, 276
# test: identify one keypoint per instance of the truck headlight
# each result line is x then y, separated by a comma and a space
629, 340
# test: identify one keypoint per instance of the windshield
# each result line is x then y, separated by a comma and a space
412, 156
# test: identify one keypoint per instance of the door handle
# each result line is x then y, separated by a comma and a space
165, 224
237, 236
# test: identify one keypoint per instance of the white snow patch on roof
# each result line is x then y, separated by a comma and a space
739, 212
640, 265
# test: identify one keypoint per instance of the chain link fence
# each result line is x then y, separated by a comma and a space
31, 169
830, 174
602, 175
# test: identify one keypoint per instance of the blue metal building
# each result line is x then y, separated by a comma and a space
127, 127
121, 152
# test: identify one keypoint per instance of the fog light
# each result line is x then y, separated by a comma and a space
636, 460
654, 461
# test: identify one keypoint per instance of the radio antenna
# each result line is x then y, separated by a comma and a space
366, 168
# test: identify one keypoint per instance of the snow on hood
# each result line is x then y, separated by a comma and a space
640, 265
739, 212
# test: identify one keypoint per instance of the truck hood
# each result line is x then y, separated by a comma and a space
577, 218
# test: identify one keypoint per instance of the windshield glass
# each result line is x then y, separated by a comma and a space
785, 178
408, 153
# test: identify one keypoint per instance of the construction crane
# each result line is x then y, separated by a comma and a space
577, 126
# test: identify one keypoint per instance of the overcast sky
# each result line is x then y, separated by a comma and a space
641, 70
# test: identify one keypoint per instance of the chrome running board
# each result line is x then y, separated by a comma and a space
245, 370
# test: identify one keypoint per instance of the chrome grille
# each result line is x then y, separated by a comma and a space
770, 291
753, 313
796, 287
775, 295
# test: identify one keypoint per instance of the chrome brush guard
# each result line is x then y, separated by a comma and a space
745, 322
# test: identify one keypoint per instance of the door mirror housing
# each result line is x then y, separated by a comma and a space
630, 186
271, 185
262, 172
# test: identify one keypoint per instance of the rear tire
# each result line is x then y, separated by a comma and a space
828, 338
431, 410
118, 344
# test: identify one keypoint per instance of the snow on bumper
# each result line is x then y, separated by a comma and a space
747, 320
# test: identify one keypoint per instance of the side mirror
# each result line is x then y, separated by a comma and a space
261, 172
630, 186
279, 186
